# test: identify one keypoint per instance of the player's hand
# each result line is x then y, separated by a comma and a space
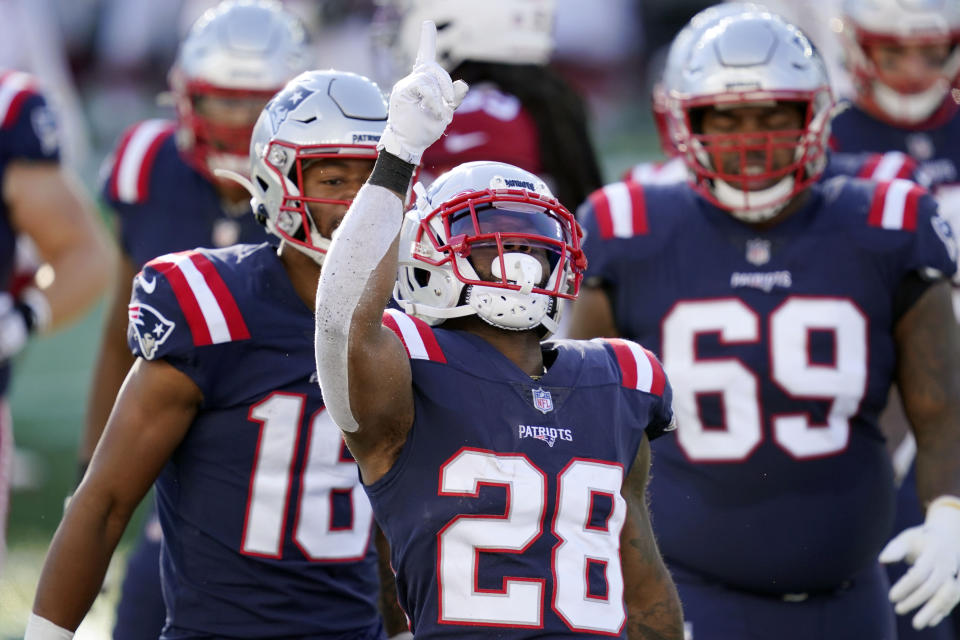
933, 549
19, 317
422, 103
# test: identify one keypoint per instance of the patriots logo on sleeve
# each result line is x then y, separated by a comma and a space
150, 328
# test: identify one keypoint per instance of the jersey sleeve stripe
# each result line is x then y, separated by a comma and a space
640, 369
870, 166
15, 87
416, 335
893, 207
890, 166
601, 209
131, 172
185, 298
224, 299
206, 302
638, 206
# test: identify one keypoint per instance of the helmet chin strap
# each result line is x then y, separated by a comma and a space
910, 108
763, 204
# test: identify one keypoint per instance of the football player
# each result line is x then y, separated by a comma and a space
904, 61
783, 308
266, 530
872, 165
519, 110
160, 184
500, 468
44, 202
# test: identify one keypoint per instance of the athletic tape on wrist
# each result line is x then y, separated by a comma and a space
362, 241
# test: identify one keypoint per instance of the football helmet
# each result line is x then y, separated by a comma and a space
752, 59
239, 53
319, 114
677, 55
489, 239
916, 22
508, 31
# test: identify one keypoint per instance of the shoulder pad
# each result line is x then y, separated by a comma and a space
639, 369
129, 178
620, 210
204, 298
894, 205
415, 334
15, 88
888, 166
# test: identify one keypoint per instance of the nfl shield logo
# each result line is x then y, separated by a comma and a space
542, 400
758, 251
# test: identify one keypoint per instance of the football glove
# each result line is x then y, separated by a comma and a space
933, 549
20, 317
422, 103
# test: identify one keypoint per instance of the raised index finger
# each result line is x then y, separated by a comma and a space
427, 51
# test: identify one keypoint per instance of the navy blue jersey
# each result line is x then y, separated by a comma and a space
935, 150
28, 131
162, 203
267, 533
503, 510
780, 347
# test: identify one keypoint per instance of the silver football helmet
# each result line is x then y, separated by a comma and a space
241, 52
869, 22
489, 239
677, 55
319, 114
752, 59
509, 31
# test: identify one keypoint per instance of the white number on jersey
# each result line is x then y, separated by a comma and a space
520, 601
843, 381
324, 475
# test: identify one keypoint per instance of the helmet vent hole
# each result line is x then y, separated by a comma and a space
307, 120
422, 276
263, 183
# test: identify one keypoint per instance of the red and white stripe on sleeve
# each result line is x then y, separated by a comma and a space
417, 336
621, 210
130, 177
203, 296
894, 205
639, 368
15, 87
887, 166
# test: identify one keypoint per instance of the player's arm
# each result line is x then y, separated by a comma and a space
653, 606
928, 375
47, 204
113, 360
153, 412
592, 315
363, 368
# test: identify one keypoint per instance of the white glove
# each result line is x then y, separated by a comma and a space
933, 549
422, 103
19, 318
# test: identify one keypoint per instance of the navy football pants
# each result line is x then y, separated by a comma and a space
141, 612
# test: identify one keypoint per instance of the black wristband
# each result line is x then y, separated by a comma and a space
390, 172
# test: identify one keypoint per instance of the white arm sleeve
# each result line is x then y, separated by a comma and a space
42, 629
362, 240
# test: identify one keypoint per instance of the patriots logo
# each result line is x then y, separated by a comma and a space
549, 439
150, 328
285, 102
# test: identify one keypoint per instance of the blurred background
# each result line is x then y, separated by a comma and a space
103, 63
